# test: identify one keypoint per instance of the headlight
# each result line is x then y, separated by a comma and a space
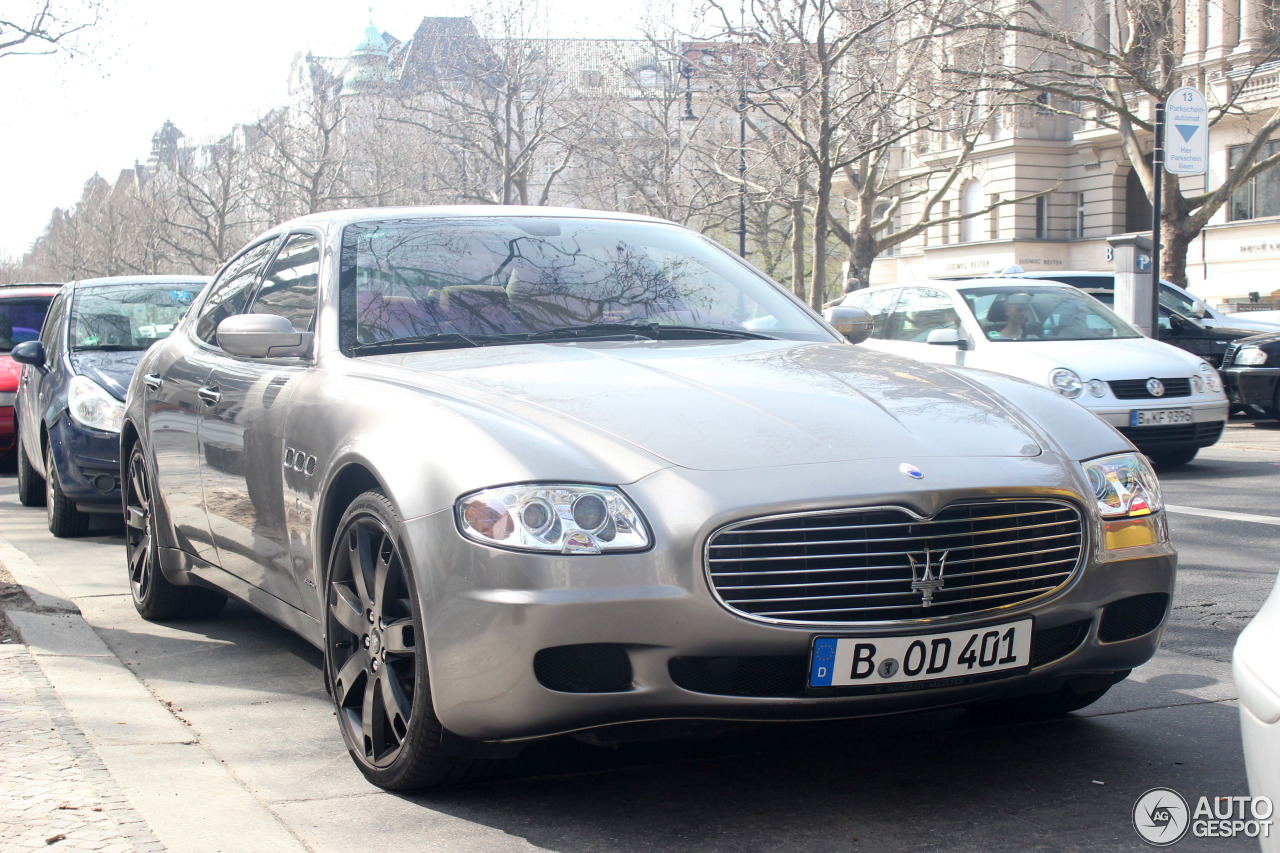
1250, 357
1126, 494
1210, 376
93, 407
1066, 383
1097, 388
564, 519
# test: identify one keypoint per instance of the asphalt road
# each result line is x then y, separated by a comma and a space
252, 695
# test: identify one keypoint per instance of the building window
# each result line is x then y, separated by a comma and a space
971, 203
1042, 217
1260, 196
993, 223
946, 226
1079, 214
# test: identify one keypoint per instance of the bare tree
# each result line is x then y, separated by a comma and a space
44, 26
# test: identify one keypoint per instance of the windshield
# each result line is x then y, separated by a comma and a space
20, 319
127, 316
506, 280
1043, 313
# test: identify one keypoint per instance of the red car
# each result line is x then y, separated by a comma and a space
22, 310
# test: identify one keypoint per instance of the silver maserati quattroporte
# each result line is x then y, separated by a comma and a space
527, 472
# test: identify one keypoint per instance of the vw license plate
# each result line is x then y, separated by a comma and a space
953, 656
1159, 417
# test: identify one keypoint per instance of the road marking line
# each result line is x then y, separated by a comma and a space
1218, 513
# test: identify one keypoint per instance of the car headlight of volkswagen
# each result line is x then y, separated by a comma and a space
91, 406
1066, 382
1126, 494
1250, 357
556, 518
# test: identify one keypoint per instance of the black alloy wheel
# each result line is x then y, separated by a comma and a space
65, 519
374, 655
30, 484
154, 596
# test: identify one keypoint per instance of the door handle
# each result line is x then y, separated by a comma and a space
153, 381
210, 395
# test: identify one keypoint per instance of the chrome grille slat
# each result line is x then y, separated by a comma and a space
861, 581
1016, 550
886, 553
887, 538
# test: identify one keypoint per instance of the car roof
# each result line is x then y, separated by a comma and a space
17, 291
467, 211
142, 279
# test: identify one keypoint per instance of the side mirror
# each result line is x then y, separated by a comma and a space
944, 337
32, 353
854, 323
262, 336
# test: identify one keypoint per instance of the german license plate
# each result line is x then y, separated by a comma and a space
1159, 417
945, 657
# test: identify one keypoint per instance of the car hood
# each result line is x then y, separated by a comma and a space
10, 373
1123, 358
718, 405
111, 370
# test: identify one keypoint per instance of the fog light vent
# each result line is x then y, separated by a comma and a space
774, 675
1132, 617
586, 668
1053, 643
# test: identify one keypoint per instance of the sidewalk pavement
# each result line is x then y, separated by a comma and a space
90, 759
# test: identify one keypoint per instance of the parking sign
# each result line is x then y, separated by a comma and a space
1186, 135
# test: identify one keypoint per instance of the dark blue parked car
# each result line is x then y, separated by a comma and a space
71, 398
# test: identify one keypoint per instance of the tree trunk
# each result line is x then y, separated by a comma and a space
797, 247
818, 284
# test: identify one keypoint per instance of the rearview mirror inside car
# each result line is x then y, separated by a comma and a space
262, 336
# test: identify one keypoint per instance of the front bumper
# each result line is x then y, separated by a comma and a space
1253, 389
489, 612
1207, 421
88, 463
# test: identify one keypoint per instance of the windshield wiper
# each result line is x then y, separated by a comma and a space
653, 331
443, 340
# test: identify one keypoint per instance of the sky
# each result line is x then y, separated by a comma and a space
203, 66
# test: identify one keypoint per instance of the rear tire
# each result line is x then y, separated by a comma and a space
30, 484
65, 520
154, 597
375, 660
1172, 458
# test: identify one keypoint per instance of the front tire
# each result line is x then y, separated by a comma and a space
30, 484
154, 597
65, 520
375, 658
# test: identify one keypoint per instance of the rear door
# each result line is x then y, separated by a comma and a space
30, 411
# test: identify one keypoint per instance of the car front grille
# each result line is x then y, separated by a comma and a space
1230, 355
855, 566
1136, 389
1201, 434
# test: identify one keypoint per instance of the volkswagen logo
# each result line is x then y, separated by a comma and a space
1155, 387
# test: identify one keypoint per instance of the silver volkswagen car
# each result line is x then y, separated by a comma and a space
528, 472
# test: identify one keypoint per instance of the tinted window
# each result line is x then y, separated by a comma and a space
514, 276
920, 311
229, 293
127, 316
51, 330
289, 287
20, 320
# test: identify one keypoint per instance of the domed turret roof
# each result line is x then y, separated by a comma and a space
369, 66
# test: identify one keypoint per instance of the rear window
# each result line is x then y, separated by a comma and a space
21, 318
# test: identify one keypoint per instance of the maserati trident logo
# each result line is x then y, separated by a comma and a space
1155, 387
923, 579
911, 471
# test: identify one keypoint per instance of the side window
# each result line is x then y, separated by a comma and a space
289, 287
876, 303
229, 293
920, 311
1171, 298
51, 331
